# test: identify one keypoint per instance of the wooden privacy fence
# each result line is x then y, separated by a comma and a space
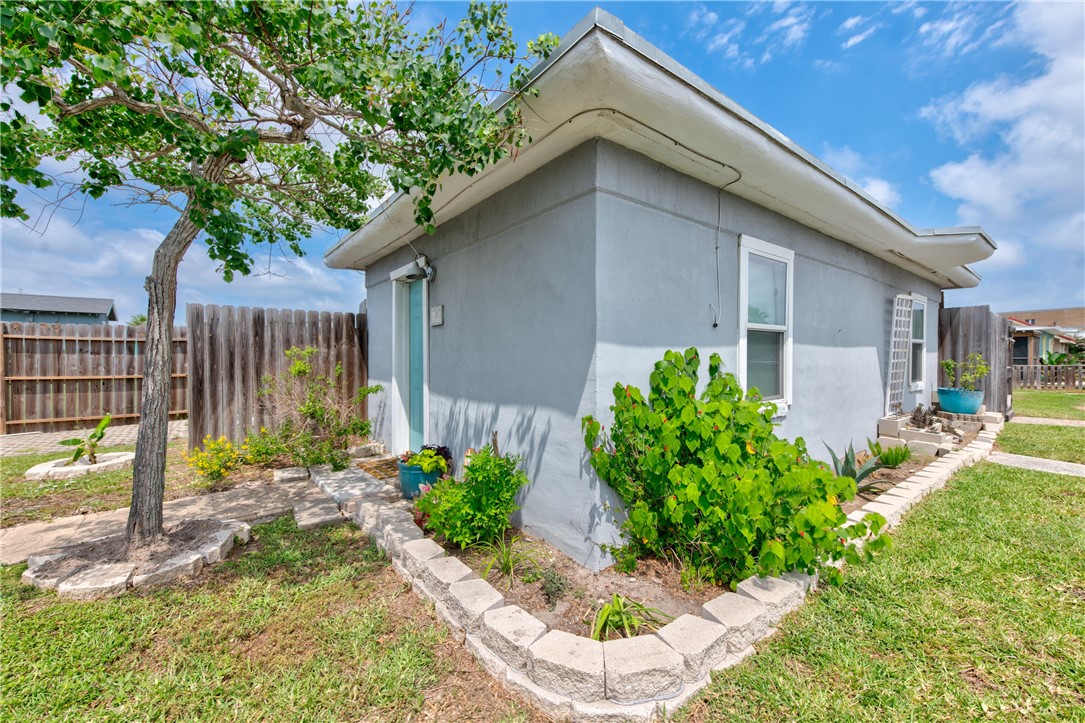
56, 377
232, 349
1042, 376
968, 329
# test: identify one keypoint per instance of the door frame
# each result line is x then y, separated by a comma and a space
401, 349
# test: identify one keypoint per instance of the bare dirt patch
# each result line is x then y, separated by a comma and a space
656, 584
179, 538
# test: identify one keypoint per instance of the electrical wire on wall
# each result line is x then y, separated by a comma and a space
718, 308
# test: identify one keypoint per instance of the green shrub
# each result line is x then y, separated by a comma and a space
265, 447
477, 509
707, 480
314, 421
894, 457
218, 458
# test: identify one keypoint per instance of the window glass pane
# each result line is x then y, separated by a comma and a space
917, 361
918, 316
767, 291
764, 362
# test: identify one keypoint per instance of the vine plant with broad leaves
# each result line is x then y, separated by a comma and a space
256, 122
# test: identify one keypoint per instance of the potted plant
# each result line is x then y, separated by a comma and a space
419, 469
963, 397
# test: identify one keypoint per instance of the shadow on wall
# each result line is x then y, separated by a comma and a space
468, 424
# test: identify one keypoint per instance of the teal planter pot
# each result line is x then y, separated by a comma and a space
960, 401
411, 479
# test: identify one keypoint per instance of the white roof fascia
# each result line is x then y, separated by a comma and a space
605, 81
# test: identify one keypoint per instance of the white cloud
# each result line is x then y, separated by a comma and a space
1023, 177
725, 39
828, 66
881, 190
912, 7
847, 161
700, 21
858, 38
852, 22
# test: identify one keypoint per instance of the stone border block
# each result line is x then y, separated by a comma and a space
187, 564
701, 643
440, 572
494, 665
97, 582
777, 595
641, 669
394, 536
746, 619
509, 631
568, 664
890, 511
414, 554
290, 474
469, 599
553, 705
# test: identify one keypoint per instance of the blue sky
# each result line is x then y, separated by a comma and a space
949, 113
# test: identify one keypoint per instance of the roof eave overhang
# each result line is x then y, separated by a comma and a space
604, 81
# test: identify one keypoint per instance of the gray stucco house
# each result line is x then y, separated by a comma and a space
650, 213
37, 308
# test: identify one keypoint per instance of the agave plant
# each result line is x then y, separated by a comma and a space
848, 467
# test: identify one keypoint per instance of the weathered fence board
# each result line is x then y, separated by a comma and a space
1042, 376
968, 329
56, 377
231, 350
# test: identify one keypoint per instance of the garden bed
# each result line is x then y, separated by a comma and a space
576, 593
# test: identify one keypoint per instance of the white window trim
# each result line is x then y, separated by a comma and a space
922, 383
748, 245
401, 373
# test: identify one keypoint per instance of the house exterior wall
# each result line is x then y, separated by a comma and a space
516, 352
656, 277
581, 276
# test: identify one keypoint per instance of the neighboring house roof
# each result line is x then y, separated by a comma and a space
1056, 331
37, 303
604, 80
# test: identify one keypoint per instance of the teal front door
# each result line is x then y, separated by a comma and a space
415, 366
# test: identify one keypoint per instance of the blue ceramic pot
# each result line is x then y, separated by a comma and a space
960, 401
411, 479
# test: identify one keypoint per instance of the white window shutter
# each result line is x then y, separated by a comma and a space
899, 340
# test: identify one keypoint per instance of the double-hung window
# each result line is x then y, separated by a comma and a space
918, 347
766, 281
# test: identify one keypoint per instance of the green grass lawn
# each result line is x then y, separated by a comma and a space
309, 626
977, 613
1042, 440
1048, 403
23, 500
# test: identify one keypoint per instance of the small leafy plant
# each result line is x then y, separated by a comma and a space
623, 616
265, 447
217, 459
89, 445
966, 374
428, 460
893, 457
848, 467
507, 556
705, 479
874, 446
478, 508
552, 583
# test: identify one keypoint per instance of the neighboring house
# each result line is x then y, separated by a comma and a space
1071, 320
56, 309
1031, 343
650, 213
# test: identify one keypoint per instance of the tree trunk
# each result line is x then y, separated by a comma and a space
149, 467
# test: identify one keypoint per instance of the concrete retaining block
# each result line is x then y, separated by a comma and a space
701, 643
367, 516
414, 554
568, 664
97, 582
290, 474
641, 668
553, 705
440, 572
746, 619
890, 427
494, 665
920, 447
509, 632
606, 712
394, 536
469, 599
777, 595
890, 511
804, 580
187, 564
